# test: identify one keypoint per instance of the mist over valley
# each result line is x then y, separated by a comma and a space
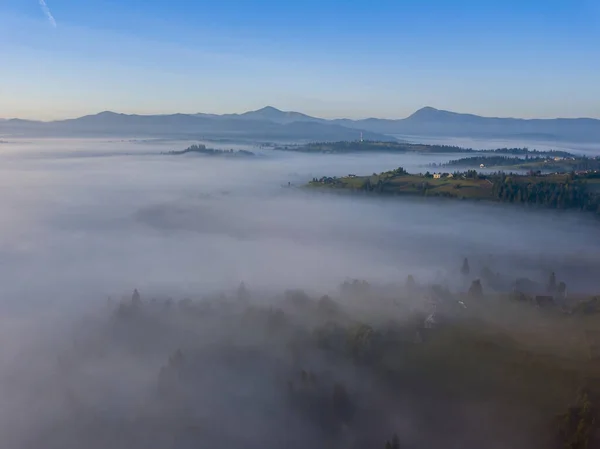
266, 314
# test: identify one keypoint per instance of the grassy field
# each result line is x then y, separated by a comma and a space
474, 188
417, 185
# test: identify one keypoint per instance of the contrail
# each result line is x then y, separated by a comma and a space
48, 13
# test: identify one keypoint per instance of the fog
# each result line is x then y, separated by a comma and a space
85, 220
590, 149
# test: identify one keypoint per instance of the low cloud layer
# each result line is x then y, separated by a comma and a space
101, 224
91, 220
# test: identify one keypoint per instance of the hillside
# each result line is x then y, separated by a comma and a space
556, 191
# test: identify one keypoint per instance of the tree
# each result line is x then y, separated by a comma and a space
410, 283
177, 360
578, 426
360, 341
551, 288
242, 292
327, 306
562, 289
394, 443
341, 403
136, 299
476, 290
465, 270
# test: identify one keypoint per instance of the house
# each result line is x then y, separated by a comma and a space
450, 175
481, 165
437, 175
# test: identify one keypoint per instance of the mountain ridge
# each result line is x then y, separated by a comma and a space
271, 122
188, 126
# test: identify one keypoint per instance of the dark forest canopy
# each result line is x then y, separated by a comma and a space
201, 149
365, 367
558, 191
543, 163
530, 153
405, 147
371, 146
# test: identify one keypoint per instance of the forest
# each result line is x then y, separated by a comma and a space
544, 164
531, 153
358, 146
202, 149
554, 193
477, 360
367, 146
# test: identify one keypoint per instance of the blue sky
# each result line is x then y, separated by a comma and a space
332, 58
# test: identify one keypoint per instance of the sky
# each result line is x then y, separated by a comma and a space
329, 58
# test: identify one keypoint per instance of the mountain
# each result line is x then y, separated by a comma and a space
270, 123
265, 124
431, 121
275, 115
436, 122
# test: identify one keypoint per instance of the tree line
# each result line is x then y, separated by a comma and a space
571, 194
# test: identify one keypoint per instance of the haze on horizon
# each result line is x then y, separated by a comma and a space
364, 59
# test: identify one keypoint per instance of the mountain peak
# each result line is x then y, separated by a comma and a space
426, 113
427, 109
273, 114
269, 109
107, 113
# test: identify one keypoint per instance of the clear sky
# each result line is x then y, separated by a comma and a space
331, 58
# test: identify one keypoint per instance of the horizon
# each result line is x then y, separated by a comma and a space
284, 111
332, 59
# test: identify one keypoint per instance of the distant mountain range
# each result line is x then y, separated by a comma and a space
257, 125
270, 123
